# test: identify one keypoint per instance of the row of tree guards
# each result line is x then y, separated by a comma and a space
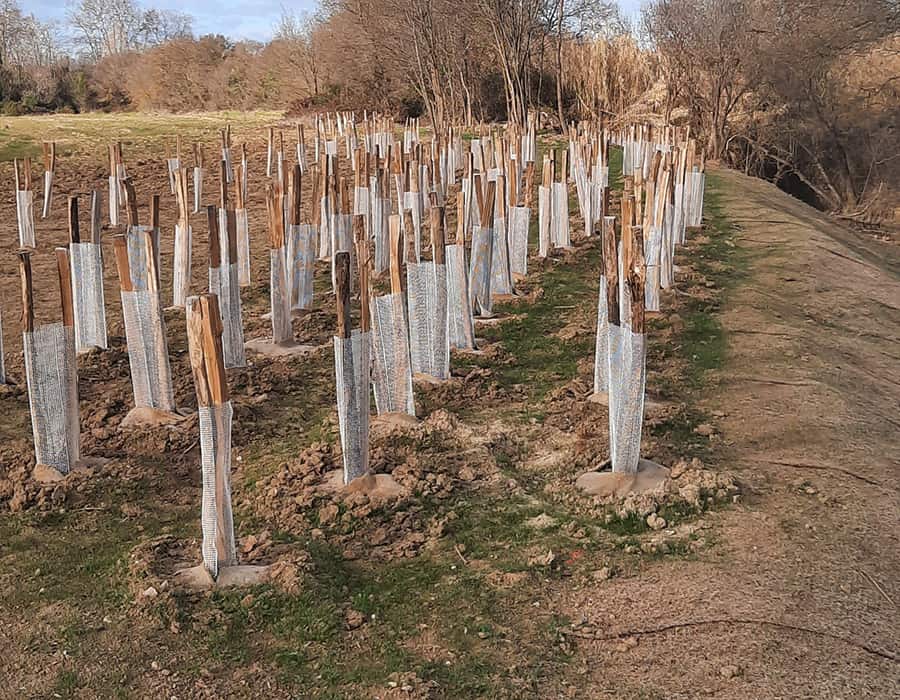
377, 221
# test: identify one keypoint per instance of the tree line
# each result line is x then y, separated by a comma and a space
803, 92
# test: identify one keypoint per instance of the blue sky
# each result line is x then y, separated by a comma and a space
238, 19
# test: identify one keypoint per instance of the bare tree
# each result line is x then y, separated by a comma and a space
110, 27
707, 48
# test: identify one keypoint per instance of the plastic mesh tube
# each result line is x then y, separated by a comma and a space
242, 226
361, 200
173, 166
501, 279
325, 232
216, 519
601, 348
652, 246
151, 381
181, 265
198, 188
560, 228
427, 300
391, 374
678, 223
229, 168
461, 330
52, 395
381, 212
303, 241
667, 251
281, 308
48, 193
229, 294
626, 397
480, 270
113, 201
544, 221
87, 295
519, 222
351, 368
25, 217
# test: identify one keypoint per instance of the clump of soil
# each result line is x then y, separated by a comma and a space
430, 460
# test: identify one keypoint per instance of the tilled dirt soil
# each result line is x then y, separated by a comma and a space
767, 569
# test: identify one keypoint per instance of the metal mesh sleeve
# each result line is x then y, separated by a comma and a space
461, 331
480, 270
626, 397
216, 519
391, 375
25, 216
181, 265
243, 246
519, 222
52, 395
87, 295
351, 368
501, 279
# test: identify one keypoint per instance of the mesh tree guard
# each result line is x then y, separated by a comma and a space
50, 370
427, 300
215, 412
181, 265
24, 203
49, 170
626, 349
391, 373
242, 226
352, 371
223, 282
87, 280
145, 331
560, 216
198, 173
480, 297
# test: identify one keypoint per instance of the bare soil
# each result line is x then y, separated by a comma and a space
768, 569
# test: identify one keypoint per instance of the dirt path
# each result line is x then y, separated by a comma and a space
812, 378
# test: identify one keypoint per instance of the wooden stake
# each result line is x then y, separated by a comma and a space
611, 265
223, 184
195, 352
231, 230
131, 207
438, 235
487, 213
342, 293
637, 276
120, 247
64, 269
27, 290
74, 233
96, 226
295, 194
213, 357
410, 237
363, 261
215, 253
395, 254
275, 217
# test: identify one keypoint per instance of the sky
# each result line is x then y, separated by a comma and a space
237, 19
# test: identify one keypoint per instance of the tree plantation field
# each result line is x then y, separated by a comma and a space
766, 567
